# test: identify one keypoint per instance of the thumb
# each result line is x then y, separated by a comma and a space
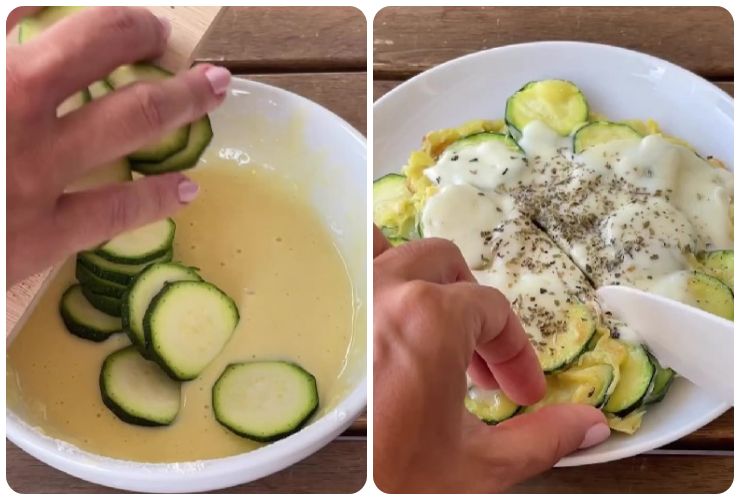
87, 218
534, 442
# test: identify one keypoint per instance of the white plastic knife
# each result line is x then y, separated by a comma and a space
696, 344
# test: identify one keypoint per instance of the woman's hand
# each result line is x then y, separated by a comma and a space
45, 153
432, 322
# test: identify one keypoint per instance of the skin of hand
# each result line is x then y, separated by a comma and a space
45, 153
432, 322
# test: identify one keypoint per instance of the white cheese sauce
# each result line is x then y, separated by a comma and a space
624, 212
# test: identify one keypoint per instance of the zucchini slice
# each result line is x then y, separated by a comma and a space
711, 295
491, 406
103, 303
141, 292
588, 385
661, 383
393, 210
99, 89
140, 245
560, 350
97, 284
557, 103
137, 390
173, 141
721, 265
397, 241
199, 137
474, 139
264, 400
32, 26
636, 377
114, 271
601, 132
83, 320
187, 324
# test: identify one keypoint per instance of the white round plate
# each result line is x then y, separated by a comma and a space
305, 143
619, 83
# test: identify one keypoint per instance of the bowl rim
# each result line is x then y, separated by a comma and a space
388, 99
207, 474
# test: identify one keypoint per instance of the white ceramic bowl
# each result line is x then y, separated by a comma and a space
269, 126
617, 82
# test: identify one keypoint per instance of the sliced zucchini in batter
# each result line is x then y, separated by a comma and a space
711, 295
199, 136
636, 377
721, 265
83, 320
103, 303
557, 103
264, 400
661, 383
114, 271
137, 390
393, 209
97, 284
480, 137
141, 292
587, 386
140, 245
187, 324
601, 132
559, 350
173, 141
491, 406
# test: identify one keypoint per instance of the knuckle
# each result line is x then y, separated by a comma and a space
121, 213
149, 98
120, 19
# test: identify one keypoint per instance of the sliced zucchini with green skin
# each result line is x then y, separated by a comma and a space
661, 383
73, 102
491, 406
114, 271
137, 390
103, 303
141, 245
396, 241
583, 385
97, 284
636, 376
32, 26
558, 351
83, 320
721, 265
595, 133
99, 89
104, 175
173, 141
141, 292
199, 138
187, 324
480, 137
711, 295
557, 103
392, 207
264, 400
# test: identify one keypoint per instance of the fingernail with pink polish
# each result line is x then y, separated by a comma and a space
166, 26
187, 190
595, 435
219, 78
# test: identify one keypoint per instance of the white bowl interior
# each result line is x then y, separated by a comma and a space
618, 83
307, 145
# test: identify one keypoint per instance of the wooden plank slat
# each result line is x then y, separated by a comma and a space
640, 474
382, 87
410, 40
343, 93
279, 39
340, 467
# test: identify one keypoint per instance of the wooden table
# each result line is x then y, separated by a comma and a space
410, 40
319, 53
